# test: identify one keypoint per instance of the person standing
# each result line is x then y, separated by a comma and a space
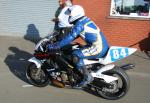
62, 24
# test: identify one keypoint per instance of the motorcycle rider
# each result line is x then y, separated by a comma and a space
96, 44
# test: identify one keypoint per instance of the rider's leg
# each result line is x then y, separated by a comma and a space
87, 78
88, 52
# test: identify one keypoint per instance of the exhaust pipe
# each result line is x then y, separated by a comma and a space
127, 66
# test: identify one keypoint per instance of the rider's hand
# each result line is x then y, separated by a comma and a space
55, 20
53, 47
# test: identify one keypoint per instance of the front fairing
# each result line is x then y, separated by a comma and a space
36, 61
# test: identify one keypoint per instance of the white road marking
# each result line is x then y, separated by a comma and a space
26, 86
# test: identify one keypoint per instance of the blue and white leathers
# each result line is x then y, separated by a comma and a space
97, 45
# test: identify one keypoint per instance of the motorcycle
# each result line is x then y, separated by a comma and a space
56, 68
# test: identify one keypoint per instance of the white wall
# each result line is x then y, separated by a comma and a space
22, 17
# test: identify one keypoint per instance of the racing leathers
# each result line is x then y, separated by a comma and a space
96, 47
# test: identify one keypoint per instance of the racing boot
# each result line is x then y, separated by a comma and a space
87, 78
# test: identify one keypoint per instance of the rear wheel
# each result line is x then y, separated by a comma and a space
35, 77
118, 88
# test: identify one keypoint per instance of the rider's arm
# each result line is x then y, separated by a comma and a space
77, 29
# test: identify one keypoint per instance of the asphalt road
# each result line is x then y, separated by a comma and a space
14, 88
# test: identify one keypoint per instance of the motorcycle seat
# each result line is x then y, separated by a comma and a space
103, 56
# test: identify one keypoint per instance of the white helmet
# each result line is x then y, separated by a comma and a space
77, 12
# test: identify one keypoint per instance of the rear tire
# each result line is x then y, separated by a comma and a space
117, 91
41, 80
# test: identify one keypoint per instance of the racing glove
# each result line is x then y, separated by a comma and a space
53, 47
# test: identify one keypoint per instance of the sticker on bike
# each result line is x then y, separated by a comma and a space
118, 53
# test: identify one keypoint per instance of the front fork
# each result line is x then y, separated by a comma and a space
38, 64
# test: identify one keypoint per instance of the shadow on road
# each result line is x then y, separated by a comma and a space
92, 92
17, 62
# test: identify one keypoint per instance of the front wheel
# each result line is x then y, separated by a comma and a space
118, 88
37, 77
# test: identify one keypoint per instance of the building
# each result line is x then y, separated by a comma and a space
120, 29
122, 26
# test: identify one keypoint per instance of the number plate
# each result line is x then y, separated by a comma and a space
119, 53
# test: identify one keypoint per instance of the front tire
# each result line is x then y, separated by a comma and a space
38, 80
118, 90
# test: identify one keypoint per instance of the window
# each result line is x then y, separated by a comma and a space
130, 8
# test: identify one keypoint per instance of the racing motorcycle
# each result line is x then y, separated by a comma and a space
56, 67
